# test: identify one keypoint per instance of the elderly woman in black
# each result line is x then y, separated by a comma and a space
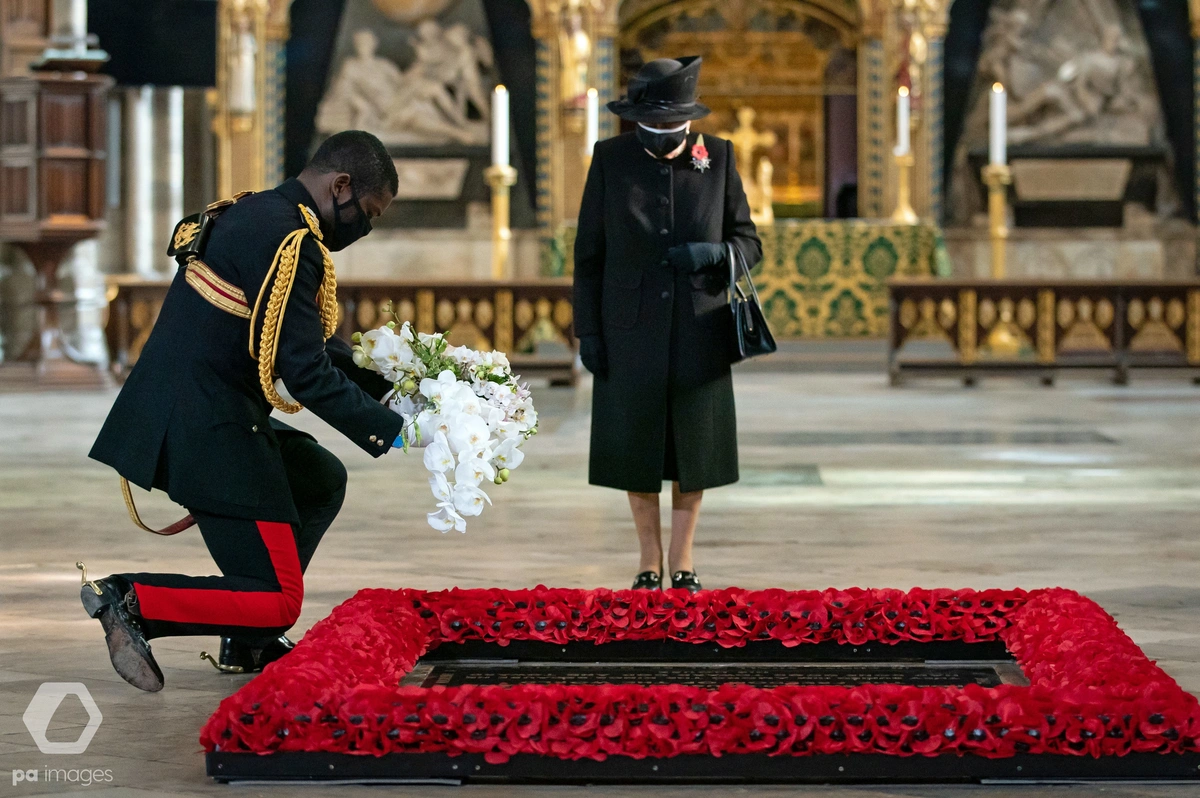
661, 208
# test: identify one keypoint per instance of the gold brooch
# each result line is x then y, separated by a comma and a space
185, 234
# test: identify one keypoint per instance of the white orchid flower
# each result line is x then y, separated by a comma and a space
438, 457
445, 384
440, 486
508, 454
446, 518
473, 471
468, 433
469, 499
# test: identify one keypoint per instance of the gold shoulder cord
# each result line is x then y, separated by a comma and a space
283, 269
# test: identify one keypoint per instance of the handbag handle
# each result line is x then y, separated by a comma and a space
737, 262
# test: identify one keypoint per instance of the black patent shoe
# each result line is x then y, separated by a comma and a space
240, 656
647, 580
686, 580
109, 601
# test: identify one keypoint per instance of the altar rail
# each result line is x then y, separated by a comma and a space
968, 327
531, 321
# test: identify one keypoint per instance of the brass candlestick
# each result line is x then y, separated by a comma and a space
998, 177
904, 213
501, 178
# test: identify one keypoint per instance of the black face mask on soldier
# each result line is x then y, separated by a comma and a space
661, 143
345, 233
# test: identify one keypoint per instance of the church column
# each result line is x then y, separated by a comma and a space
575, 43
874, 109
139, 180
929, 182
245, 91
275, 89
1194, 11
607, 66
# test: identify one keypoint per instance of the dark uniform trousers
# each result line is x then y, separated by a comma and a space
192, 420
262, 562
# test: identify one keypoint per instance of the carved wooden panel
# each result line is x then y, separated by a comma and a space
64, 188
52, 155
1043, 325
16, 190
65, 121
17, 115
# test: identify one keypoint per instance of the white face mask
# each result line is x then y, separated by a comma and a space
684, 126
660, 142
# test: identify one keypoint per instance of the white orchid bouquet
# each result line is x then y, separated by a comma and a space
464, 406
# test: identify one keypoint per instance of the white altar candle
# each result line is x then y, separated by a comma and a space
998, 151
903, 126
79, 27
243, 77
593, 121
500, 126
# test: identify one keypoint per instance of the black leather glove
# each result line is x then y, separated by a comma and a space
695, 257
593, 354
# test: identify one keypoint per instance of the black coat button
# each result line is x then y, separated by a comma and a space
664, 171
666, 294
664, 201
665, 264
664, 232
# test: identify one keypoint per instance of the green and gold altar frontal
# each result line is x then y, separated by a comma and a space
829, 278
823, 278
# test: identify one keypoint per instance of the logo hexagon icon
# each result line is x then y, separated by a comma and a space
41, 709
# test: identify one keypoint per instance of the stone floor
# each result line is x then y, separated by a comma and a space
845, 482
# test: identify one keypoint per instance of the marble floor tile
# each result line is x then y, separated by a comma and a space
846, 482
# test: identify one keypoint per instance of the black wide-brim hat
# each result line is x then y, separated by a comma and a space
663, 91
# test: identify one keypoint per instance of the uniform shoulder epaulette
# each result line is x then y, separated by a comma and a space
191, 233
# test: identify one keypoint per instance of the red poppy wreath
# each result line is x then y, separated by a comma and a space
1092, 691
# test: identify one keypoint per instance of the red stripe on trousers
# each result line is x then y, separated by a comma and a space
236, 607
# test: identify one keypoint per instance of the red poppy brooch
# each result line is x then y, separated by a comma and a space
700, 160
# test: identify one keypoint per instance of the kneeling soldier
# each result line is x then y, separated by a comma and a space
254, 300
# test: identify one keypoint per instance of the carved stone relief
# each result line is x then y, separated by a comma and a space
1076, 71
441, 97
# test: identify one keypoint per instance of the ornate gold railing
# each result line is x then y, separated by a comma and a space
973, 326
530, 320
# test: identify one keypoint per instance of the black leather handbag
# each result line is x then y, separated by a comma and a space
751, 335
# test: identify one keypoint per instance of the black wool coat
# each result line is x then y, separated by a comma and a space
668, 335
192, 419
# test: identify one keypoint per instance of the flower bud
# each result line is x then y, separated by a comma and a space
504, 474
498, 480
360, 359
391, 325
408, 386
356, 338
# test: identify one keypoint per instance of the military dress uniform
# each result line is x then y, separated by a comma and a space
254, 300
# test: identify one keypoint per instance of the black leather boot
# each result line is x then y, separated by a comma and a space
242, 656
114, 603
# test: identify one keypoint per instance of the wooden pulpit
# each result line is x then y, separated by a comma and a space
52, 196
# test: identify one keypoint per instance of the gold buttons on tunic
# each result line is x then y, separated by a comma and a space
379, 443
254, 428
372, 439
